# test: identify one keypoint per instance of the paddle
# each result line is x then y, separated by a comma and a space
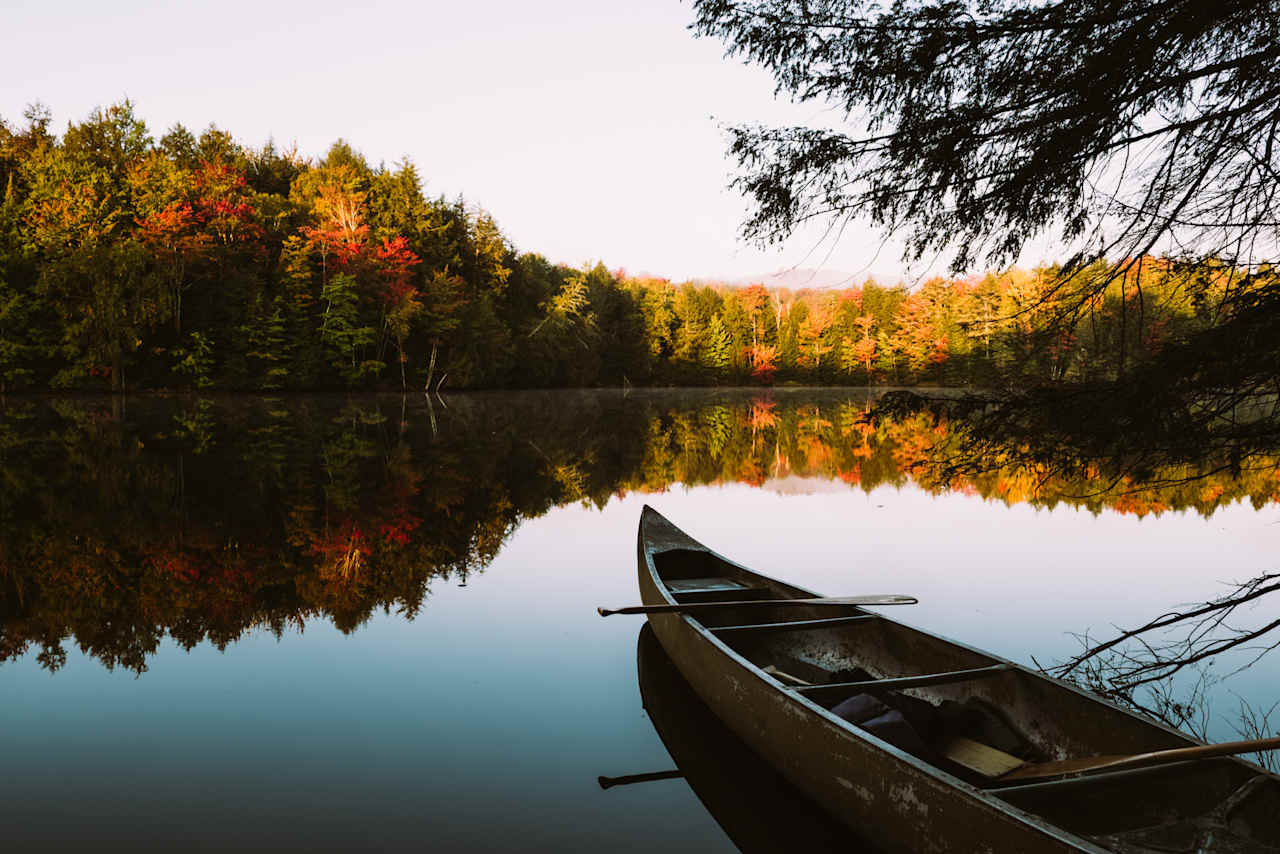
1063, 767
627, 780
889, 599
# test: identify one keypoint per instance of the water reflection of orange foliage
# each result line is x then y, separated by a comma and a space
751, 472
176, 564
762, 416
117, 534
1139, 504
817, 454
913, 441
339, 551
841, 444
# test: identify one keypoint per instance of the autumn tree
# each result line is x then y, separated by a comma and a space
92, 270
21, 347
170, 227
400, 296
819, 316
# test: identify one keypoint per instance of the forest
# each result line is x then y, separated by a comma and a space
195, 262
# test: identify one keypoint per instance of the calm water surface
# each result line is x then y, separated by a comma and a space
369, 624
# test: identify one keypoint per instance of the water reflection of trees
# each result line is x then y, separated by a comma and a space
1160, 439
205, 519
1138, 438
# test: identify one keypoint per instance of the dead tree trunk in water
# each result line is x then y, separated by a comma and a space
431, 366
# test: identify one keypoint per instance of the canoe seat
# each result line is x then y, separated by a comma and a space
705, 585
688, 591
980, 758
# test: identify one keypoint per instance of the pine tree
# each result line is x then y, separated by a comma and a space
717, 354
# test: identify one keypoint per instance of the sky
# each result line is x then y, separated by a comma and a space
592, 130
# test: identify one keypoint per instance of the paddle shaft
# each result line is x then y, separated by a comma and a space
1156, 757
627, 780
687, 607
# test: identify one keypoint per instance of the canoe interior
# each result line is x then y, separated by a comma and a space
1056, 721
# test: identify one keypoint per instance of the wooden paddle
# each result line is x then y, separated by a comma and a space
1137, 760
627, 780
1003, 767
889, 599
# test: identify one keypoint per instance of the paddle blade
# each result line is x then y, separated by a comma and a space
885, 599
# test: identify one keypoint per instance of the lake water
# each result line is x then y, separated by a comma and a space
369, 623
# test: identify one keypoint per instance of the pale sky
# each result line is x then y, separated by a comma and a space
590, 129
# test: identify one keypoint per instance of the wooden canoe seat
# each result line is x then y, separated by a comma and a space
980, 758
705, 585
692, 590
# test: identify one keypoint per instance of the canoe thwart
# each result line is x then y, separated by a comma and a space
794, 625
785, 677
841, 689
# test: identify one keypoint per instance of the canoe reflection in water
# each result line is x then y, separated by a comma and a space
754, 805
1003, 757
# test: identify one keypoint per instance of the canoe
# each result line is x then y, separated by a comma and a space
774, 674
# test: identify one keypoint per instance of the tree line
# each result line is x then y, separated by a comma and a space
194, 261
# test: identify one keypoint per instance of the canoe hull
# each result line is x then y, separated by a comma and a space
755, 806
876, 789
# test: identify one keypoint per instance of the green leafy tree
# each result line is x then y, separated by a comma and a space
717, 354
195, 360
268, 349
345, 340
92, 271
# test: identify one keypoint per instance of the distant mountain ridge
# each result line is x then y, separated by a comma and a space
798, 278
